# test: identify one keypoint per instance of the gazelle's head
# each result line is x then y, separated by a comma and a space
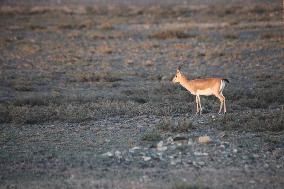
177, 77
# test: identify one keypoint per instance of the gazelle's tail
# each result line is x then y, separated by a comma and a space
226, 80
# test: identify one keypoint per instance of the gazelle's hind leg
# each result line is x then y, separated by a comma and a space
225, 110
197, 104
222, 101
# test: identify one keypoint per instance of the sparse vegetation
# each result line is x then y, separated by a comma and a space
253, 122
184, 185
180, 34
169, 125
151, 136
95, 77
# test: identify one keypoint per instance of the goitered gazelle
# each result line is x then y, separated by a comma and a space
205, 87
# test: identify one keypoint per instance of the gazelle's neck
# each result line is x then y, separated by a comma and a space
186, 84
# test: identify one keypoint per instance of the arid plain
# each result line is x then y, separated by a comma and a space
86, 98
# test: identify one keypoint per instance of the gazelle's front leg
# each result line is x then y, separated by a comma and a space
197, 104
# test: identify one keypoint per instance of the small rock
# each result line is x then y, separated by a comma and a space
201, 163
108, 154
175, 161
200, 154
178, 138
160, 146
132, 150
161, 156
179, 144
170, 140
118, 154
255, 156
235, 150
252, 181
190, 142
146, 158
198, 164
204, 140
163, 148
222, 134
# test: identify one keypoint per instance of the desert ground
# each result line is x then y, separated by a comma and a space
86, 98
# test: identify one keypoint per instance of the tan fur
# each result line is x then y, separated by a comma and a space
202, 87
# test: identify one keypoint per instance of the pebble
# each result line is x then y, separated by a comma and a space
132, 150
118, 154
190, 142
170, 140
108, 154
146, 158
200, 154
204, 140
160, 146
178, 137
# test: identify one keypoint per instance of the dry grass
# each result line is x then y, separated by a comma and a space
169, 125
151, 136
184, 185
171, 34
253, 122
96, 77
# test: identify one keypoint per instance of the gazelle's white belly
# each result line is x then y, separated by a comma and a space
205, 92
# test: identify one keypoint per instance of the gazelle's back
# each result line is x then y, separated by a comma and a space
206, 83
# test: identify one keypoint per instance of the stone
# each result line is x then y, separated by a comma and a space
132, 150
160, 146
108, 154
146, 158
204, 140
178, 138
118, 154
200, 154
222, 134
170, 140
190, 142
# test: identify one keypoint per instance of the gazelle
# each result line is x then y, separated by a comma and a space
199, 87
